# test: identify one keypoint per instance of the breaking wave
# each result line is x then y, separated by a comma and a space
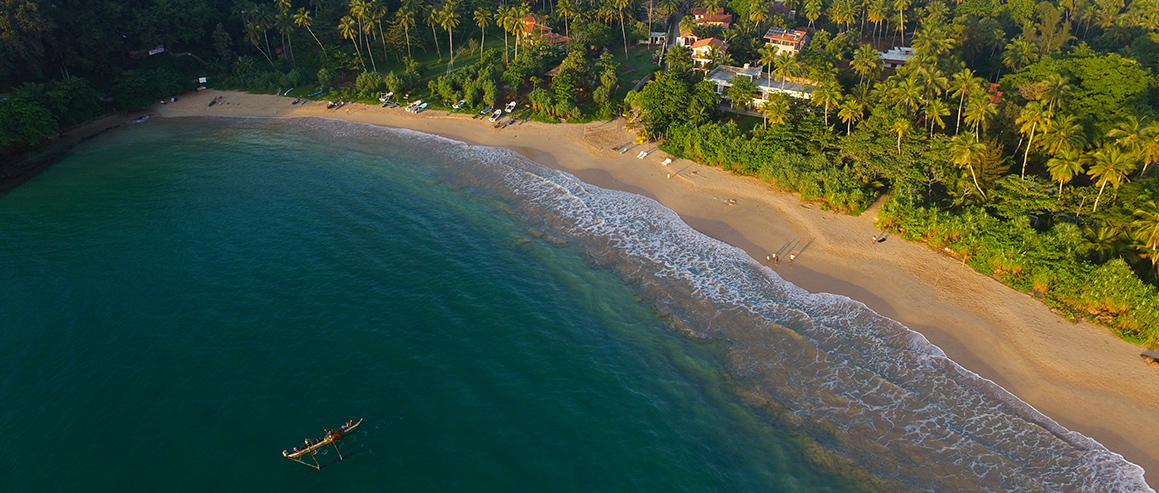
857, 382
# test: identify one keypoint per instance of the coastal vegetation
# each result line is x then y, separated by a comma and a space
1019, 136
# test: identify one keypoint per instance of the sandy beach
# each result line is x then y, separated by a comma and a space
1079, 374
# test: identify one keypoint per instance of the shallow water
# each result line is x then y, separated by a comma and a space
185, 298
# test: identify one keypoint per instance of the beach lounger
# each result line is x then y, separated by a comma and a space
642, 155
667, 162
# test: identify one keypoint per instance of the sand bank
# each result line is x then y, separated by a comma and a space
1079, 374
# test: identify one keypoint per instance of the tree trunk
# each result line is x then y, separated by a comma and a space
406, 30
1029, 144
961, 102
1096, 209
971, 168
624, 32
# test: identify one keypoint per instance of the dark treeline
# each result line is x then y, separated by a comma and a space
128, 54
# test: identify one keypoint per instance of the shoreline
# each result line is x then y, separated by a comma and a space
1078, 374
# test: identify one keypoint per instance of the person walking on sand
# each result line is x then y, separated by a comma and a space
767, 259
776, 261
874, 239
791, 257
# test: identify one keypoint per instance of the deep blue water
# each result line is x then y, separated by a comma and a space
183, 299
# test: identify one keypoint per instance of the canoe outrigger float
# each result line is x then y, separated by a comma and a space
312, 447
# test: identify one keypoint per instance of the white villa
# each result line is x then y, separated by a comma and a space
723, 75
787, 41
896, 57
702, 50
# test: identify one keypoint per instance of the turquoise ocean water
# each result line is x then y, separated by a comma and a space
181, 300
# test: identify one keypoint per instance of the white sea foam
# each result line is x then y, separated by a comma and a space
865, 385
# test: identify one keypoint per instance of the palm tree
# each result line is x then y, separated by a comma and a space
908, 94
813, 10
1109, 164
776, 108
1019, 53
260, 16
841, 13
376, 11
964, 82
828, 94
483, 19
668, 7
1064, 166
1149, 145
348, 28
875, 13
359, 9
254, 34
978, 111
406, 17
758, 14
900, 126
302, 19
741, 92
1146, 231
866, 61
284, 21
518, 26
965, 152
621, 5
449, 20
935, 110
1126, 135
851, 111
900, 6
1063, 132
1031, 117
503, 18
786, 66
568, 9
1056, 89
688, 24
768, 54
433, 20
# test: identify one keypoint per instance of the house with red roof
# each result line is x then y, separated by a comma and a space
712, 17
702, 50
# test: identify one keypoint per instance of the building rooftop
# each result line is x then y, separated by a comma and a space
725, 73
718, 44
897, 54
780, 33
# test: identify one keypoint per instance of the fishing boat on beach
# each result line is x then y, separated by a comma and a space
312, 447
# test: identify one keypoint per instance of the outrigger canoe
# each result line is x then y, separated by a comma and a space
311, 447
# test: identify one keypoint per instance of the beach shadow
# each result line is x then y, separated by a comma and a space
806, 247
787, 247
681, 170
